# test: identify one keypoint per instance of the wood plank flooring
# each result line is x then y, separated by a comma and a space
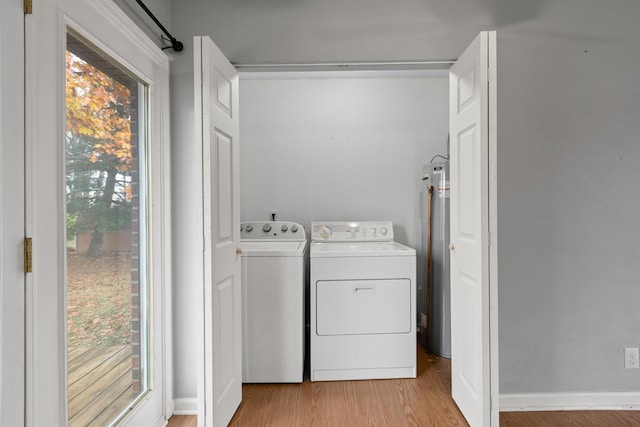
183, 421
519, 419
100, 384
423, 402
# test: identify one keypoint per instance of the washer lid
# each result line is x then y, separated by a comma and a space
359, 249
273, 248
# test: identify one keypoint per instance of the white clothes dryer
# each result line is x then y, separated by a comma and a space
273, 295
363, 302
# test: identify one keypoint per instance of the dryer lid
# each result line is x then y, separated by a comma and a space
359, 249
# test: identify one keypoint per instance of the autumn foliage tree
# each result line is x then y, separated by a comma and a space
99, 154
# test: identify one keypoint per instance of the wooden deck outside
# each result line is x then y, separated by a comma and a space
100, 384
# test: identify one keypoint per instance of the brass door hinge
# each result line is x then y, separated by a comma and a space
28, 7
28, 255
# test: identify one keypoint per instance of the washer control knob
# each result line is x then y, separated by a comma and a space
249, 228
325, 231
294, 228
383, 231
284, 228
266, 228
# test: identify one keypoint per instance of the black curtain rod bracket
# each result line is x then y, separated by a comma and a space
175, 44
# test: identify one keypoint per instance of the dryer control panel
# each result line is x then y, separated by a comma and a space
272, 230
352, 231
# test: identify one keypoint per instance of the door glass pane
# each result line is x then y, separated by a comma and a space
105, 140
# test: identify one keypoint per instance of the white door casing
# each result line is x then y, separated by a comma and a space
12, 277
217, 127
473, 284
104, 25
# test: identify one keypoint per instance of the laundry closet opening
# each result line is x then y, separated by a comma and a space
344, 145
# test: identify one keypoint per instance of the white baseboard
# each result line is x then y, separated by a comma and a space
569, 401
187, 406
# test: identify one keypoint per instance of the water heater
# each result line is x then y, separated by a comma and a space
440, 306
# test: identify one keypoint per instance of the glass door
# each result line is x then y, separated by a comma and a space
106, 236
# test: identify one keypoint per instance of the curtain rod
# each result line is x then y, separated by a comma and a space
345, 65
175, 44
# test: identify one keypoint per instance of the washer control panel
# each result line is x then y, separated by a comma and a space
348, 231
272, 230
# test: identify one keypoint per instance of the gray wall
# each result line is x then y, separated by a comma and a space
568, 158
314, 149
187, 227
333, 30
569, 198
160, 8
187, 236
340, 148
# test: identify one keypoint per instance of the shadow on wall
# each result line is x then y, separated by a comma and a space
268, 3
441, 15
501, 12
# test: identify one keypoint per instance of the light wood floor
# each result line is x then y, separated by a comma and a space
425, 401
100, 384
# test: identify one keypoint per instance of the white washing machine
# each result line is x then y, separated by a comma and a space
363, 302
273, 295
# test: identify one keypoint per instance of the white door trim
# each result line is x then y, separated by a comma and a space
12, 277
611, 401
200, 267
494, 344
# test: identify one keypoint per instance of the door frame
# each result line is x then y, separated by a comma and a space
39, 335
494, 341
12, 276
492, 237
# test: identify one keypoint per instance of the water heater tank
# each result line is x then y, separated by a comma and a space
440, 307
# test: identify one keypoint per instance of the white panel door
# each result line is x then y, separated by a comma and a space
470, 291
103, 26
11, 213
216, 82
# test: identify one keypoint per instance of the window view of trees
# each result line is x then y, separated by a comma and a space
99, 155
106, 325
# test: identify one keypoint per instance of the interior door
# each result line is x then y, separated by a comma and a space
12, 275
471, 374
216, 86
105, 41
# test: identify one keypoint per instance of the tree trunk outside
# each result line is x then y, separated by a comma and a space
95, 247
97, 237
